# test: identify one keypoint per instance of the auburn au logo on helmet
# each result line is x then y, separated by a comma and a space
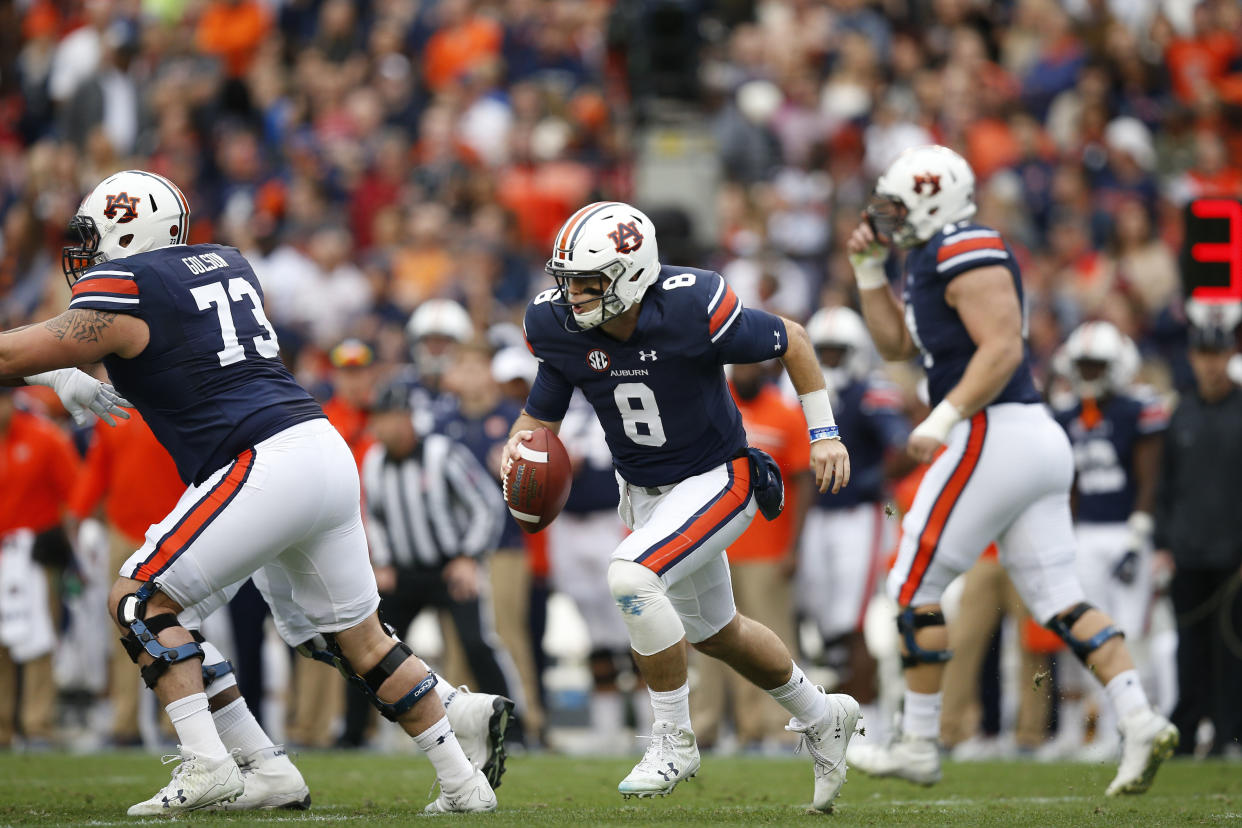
121, 202
626, 237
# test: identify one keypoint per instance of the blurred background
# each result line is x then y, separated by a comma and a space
373, 158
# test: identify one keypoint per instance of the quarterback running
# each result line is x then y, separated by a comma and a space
1006, 472
273, 489
646, 344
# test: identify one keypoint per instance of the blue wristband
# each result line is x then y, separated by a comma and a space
825, 433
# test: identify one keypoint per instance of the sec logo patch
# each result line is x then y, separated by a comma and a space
598, 360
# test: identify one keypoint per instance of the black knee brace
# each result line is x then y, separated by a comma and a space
1082, 649
142, 635
370, 683
907, 623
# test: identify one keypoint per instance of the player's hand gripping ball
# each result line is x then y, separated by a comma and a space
536, 484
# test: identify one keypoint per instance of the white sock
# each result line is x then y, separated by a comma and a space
240, 731
672, 706
922, 715
1126, 693
439, 742
196, 731
803, 700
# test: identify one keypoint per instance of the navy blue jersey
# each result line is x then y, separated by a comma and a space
485, 437
661, 395
935, 326
1103, 442
594, 486
210, 382
868, 412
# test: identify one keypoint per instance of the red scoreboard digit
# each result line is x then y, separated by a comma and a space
1211, 259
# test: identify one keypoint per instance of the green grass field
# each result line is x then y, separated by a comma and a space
363, 789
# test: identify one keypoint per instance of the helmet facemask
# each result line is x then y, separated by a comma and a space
83, 253
888, 218
609, 306
1091, 377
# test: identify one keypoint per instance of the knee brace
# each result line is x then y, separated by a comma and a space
1062, 626
907, 624
218, 674
649, 616
143, 631
370, 682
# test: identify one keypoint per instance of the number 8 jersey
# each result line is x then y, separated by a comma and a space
661, 395
210, 382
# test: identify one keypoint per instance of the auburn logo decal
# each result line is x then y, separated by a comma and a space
626, 237
122, 203
930, 180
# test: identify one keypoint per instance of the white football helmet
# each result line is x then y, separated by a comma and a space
130, 212
924, 189
437, 318
1099, 342
843, 328
609, 240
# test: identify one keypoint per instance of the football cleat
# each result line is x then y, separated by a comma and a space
481, 721
826, 740
1147, 739
672, 755
907, 757
475, 797
271, 784
196, 783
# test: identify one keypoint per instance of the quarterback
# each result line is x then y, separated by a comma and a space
273, 489
646, 344
1006, 472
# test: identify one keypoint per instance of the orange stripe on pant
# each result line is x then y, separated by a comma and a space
708, 521
198, 517
929, 538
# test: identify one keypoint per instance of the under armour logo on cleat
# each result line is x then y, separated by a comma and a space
180, 797
671, 770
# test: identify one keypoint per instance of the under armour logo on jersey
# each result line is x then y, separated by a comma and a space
598, 360
121, 202
643, 356
931, 180
777, 346
626, 237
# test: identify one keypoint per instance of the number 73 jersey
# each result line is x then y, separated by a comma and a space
210, 382
661, 395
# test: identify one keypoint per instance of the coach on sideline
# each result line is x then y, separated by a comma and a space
432, 513
1199, 533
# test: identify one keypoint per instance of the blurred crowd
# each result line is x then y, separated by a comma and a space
368, 157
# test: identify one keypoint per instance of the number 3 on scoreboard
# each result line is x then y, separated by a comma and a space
640, 416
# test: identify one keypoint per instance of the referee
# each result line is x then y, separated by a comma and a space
432, 513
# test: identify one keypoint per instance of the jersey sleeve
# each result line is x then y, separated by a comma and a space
112, 289
739, 334
968, 249
549, 395
1153, 415
881, 405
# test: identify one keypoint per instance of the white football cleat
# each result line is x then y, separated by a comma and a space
475, 797
271, 784
480, 721
906, 757
196, 783
672, 755
1147, 739
826, 740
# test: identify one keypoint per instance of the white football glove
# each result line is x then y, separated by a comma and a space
83, 395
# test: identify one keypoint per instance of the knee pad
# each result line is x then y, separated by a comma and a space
1080, 648
370, 682
649, 616
218, 674
142, 635
907, 623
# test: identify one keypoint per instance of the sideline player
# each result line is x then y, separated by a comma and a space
273, 489
647, 345
1007, 470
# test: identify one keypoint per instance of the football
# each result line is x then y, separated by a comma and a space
537, 484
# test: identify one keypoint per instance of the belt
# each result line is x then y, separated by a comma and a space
656, 490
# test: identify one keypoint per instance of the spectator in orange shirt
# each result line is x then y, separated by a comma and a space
233, 30
464, 41
761, 560
37, 468
134, 477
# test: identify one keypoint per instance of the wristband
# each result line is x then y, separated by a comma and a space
826, 433
1141, 526
939, 422
818, 411
869, 272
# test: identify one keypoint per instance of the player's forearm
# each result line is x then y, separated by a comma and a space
887, 324
986, 375
525, 422
800, 362
1147, 454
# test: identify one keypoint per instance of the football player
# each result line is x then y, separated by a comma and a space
272, 488
1006, 472
847, 535
1115, 431
646, 344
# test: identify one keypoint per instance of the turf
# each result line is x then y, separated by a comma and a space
366, 789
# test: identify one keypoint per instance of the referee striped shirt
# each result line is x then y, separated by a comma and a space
430, 507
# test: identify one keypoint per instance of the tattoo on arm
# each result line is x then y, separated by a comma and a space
82, 325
